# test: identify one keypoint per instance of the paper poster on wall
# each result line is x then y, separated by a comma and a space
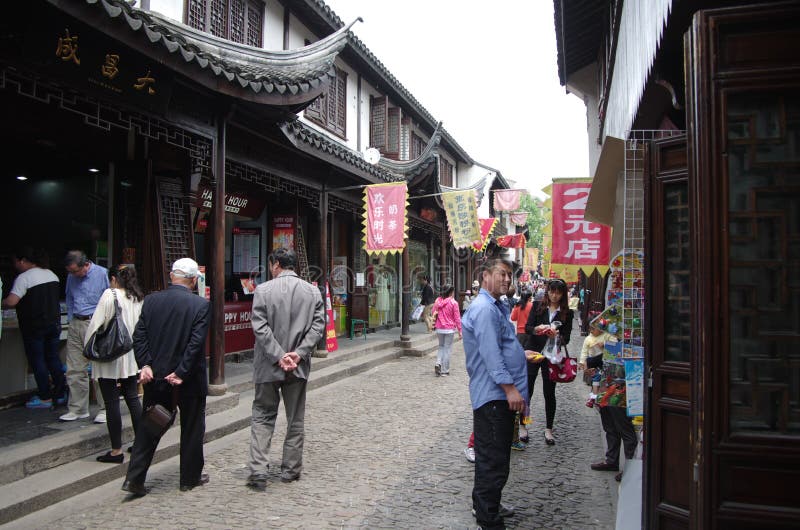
339, 275
283, 232
634, 387
246, 249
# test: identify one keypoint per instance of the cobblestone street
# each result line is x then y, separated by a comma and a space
384, 449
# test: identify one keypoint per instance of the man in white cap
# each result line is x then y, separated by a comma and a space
168, 343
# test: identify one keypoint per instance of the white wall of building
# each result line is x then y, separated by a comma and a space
273, 25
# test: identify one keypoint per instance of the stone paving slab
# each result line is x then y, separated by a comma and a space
383, 450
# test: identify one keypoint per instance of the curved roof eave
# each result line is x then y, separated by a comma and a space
285, 77
409, 169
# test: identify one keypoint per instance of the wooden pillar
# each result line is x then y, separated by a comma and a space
443, 259
406, 298
216, 378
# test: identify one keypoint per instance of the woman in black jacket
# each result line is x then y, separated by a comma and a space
553, 308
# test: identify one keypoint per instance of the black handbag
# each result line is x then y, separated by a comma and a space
111, 342
157, 419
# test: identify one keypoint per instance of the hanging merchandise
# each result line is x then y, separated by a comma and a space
462, 217
385, 224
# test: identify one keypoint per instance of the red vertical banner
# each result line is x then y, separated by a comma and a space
577, 243
385, 217
331, 342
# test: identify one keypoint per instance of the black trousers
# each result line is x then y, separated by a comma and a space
130, 391
548, 389
619, 430
493, 425
193, 428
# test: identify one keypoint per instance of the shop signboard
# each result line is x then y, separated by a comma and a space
331, 342
462, 218
385, 217
90, 60
238, 328
236, 202
283, 231
634, 387
577, 244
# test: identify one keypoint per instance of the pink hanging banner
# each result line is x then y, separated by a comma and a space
506, 200
577, 243
519, 218
385, 217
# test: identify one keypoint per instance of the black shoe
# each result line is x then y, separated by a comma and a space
604, 466
108, 458
549, 440
257, 483
130, 449
203, 480
290, 479
132, 487
504, 511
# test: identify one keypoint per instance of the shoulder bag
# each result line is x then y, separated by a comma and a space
565, 371
111, 342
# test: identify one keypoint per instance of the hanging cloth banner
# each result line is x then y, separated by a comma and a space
331, 342
462, 217
385, 221
512, 241
487, 227
506, 200
531, 260
519, 218
577, 244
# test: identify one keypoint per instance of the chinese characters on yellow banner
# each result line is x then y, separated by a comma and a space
462, 217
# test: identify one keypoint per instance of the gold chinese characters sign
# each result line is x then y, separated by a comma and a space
90, 60
462, 218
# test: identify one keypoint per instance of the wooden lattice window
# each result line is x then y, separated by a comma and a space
417, 145
240, 21
393, 121
330, 108
377, 122
445, 173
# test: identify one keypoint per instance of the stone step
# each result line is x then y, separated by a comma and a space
61, 466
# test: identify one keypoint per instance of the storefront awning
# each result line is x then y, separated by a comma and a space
603, 196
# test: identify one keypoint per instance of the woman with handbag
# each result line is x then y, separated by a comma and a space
539, 327
123, 370
447, 321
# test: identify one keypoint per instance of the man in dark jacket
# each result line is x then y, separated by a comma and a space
168, 343
426, 299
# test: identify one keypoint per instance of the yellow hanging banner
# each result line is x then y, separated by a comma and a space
462, 217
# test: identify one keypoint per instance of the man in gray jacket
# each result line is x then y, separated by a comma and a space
288, 320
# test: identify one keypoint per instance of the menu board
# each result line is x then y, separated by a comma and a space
246, 250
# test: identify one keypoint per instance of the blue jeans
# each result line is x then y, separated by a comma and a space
41, 348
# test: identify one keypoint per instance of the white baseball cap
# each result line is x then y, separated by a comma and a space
186, 267
476, 284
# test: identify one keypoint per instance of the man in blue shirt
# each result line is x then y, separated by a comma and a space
85, 284
498, 380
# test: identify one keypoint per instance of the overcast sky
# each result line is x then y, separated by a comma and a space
488, 71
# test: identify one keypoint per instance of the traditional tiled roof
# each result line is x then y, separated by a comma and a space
408, 169
322, 146
284, 76
579, 32
333, 23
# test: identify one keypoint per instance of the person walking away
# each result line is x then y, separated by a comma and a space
122, 371
519, 315
447, 323
85, 284
288, 321
497, 389
426, 300
168, 343
539, 328
34, 294
470, 295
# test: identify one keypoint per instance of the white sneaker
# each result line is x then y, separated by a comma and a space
469, 452
101, 417
71, 416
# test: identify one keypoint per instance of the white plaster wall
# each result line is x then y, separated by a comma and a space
367, 91
273, 25
169, 8
351, 126
298, 34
